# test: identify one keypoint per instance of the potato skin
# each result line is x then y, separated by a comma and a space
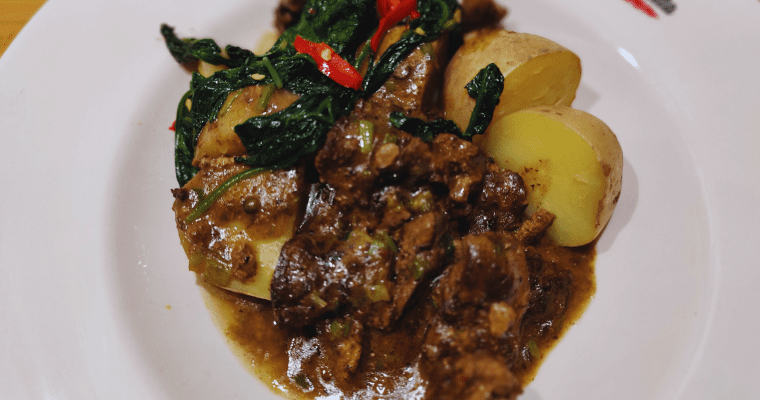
545, 73
608, 151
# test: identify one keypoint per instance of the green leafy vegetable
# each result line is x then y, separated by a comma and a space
486, 89
278, 140
424, 130
434, 20
189, 50
184, 142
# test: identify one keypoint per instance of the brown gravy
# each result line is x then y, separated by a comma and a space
388, 368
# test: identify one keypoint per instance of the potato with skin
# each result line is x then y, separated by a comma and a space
571, 162
537, 71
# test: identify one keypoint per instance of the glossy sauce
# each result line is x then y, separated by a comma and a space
388, 367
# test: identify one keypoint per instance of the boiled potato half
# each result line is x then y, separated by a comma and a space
571, 162
537, 71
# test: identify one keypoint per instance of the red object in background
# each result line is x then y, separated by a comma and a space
641, 5
330, 63
174, 126
392, 11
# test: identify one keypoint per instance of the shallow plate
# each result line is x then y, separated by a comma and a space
96, 299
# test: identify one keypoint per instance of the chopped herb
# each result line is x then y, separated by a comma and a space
366, 135
314, 298
338, 330
376, 293
273, 73
419, 267
422, 201
232, 100
428, 50
216, 272
359, 238
278, 140
533, 349
212, 197
266, 97
383, 241
390, 137
301, 381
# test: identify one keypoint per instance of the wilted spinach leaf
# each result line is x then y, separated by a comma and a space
486, 89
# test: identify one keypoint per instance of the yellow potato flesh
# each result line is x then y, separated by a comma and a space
267, 254
549, 79
218, 138
265, 240
537, 71
235, 229
571, 165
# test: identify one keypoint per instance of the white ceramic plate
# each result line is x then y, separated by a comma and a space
90, 259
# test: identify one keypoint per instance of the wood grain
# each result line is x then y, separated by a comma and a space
13, 16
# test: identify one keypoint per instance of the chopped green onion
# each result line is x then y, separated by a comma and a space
197, 261
301, 381
428, 50
388, 240
366, 135
266, 95
422, 201
338, 330
533, 349
377, 293
358, 237
216, 272
273, 73
390, 138
418, 267
314, 297
229, 106
212, 197
382, 241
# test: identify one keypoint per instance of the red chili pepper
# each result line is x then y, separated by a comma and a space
330, 63
384, 6
639, 4
392, 11
174, 126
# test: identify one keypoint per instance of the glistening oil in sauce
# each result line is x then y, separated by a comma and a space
388, 365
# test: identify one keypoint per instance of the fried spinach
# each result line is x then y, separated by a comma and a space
279, 139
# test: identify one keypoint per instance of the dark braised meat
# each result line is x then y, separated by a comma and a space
412, 254
399, 226
478, 304
287, 13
